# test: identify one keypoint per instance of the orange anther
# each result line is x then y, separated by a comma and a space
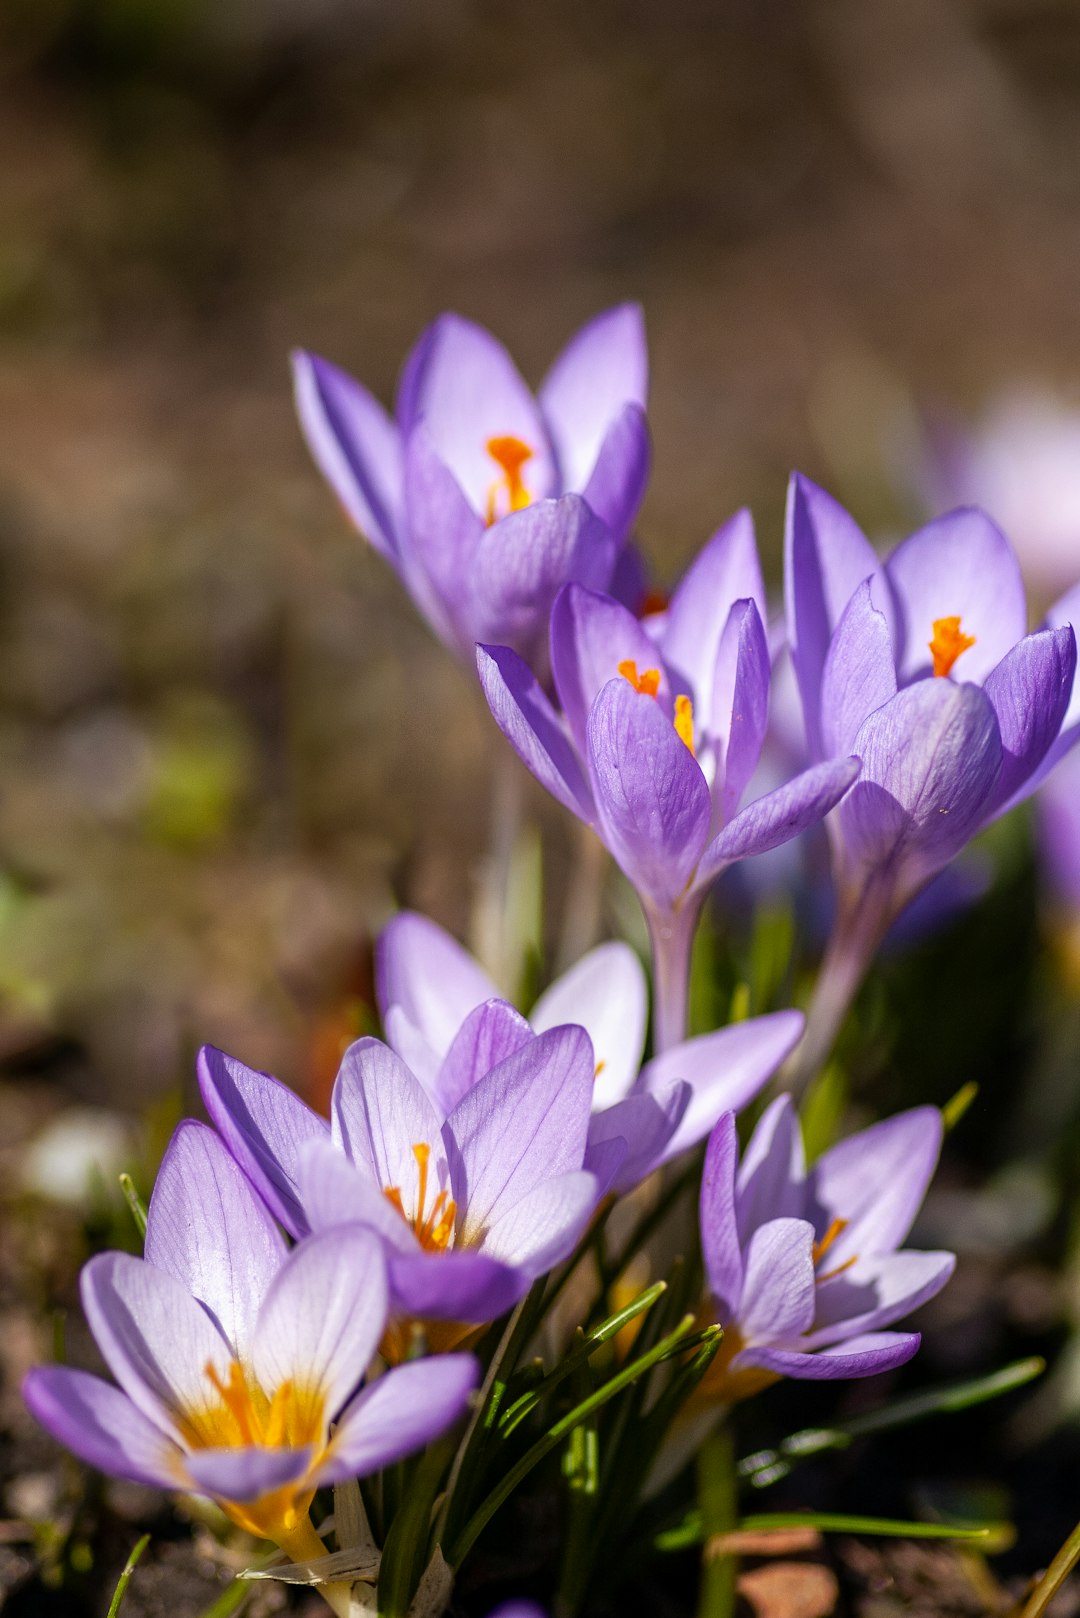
948, 643
510, 454
646, 684
684, 722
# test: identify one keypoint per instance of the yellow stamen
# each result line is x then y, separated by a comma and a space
647, 684
434, 1230
948, 643
837, 1228
684, 722
600, 1066
511, 454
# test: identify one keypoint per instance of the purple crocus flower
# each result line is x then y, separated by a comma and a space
805, 1268
922, 666
484, 499
437, 1001
238, 1361
472, 1201
660, 732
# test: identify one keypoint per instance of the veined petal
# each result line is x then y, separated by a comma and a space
607, 995
859, 672
459, 1284
264, 1124
720, 1247
100, 1425
603, 368
422, 968
861, 1356
407, 1041
778, 1285
355, 445
724, 571
591, 635
617, 485
489, 1034
1067, 611
874, 1292
531, 726
961, 566
245, 1474
779, 816
400, 1412
336, 1192
651, 798
444, 534
1030, 691
380, 1112
740, 705
544, 1226
876, 1181
322, 1319
645, 1123
207, 1227
525, 1122
772, 1175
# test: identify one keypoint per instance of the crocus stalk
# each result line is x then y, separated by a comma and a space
658, 732
484, 499
921, 666
435, 999
238, 1361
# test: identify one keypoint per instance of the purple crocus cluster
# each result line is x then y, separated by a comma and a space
318, 1299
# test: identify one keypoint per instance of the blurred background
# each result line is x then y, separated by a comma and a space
228, 748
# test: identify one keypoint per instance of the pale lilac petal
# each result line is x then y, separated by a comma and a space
780, 815
521, 564
355, 445
773, 1169
323, 1317
420, 967
489, 1034
419, 1056
591, 634
959, 566
531, 726
1058, 812
876, 1181
399, 1413
651, 798
459, 1284
1030, 691
617, 485
862, 1356
155, 1339
526, 1121
720, 1247
725, 570
859, 672
380, 1112
439, 564
245, 1474
874, 1292
604, 367
1067, 611
207, 1227
336, 1192
604, 1157
463, 385
725, 1070
546, 1224
264, 1124
100, 1425
645, 1125
607, 995
740, 705
777, 1299
930, 760
826, 558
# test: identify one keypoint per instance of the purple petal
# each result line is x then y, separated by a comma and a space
772, 1175
546, 1224
245, 1474
323, 1317
525, 1122
523, 561
466, 389
156, 1340
489, 1034
740, 705
207, 1228
399, 1413
1058, 812
605, 1157
607, 995
1067, 611
264, 1124
531, 726
100, 1425
874, 1292
826, 558
720, 1248
862, 1356
444, 531
604, 367
651, 798
617, 485
645, 1124
876, 1181
779, 816
959, 566
380, 1112
420, 967
355, 445
725, 1070
778, 1286
591, 634
725, 570
859, 672
407, 1041
1030, 691
335, 1192
458, 1284
930, 761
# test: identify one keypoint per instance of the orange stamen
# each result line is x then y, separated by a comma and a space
600, 1066
948, 643
434, 1230
647, 684
511, 454
820, 1248
684, 722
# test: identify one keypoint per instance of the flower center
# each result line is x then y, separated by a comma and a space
647, 684
240, 1415
432, 1230
948, 643
837, 1228
510, 454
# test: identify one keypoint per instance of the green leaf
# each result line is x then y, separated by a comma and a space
692, 1530
125, 1577
405, 1552
954, 1110
134, 1202
232, 1598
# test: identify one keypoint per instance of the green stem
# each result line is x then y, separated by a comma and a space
718, 1501
1052, 1580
